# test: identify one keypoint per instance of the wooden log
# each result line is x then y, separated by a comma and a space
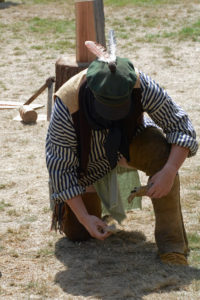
28, 114
65, 69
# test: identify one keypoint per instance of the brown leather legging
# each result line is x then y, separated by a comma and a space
149, 152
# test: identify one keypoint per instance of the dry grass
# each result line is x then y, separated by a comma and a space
38, 264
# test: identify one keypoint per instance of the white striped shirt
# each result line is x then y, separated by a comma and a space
61, 143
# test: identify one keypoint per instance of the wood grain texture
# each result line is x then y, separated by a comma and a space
85, 30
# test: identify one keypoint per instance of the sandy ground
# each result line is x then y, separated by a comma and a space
38, 264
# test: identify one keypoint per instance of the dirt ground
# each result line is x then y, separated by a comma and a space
36, 263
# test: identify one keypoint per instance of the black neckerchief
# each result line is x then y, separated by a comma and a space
116, 140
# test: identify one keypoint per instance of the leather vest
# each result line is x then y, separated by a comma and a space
69, 94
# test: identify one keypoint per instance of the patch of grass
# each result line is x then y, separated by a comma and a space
13, 212
18, 234
194, 241
25, 210
31, 156
167, 35
193, 197
189, 178
2, 186
16, 27
62, 45
62, 31
2, 248
70, 2
45, 26
195, 187
132, 20
44, 252
167, 49
117, 23
124, 36
24, 141
168, 53
19, 52
197, 168
196, 283
30, 219
7, 185
44, 29
17, 48
139, 2
2, 26
190, 32
14, 253
46, 210
151, 22
3, 86
37, 47
123, 28
40, 287
194, 259
3, 204
148, 38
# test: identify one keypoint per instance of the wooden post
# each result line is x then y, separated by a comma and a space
85, 29
99, 22
49, 101
66, 68
89, 17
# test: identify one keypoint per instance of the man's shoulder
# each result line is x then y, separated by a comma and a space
68, 92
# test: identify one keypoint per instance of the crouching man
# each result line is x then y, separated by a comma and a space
98, 118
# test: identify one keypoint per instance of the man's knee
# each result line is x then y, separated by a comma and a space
149, 151
72, 228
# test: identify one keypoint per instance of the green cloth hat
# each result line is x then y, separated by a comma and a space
112, 88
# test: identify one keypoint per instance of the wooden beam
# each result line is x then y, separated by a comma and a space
99, 19
90, 25
85, 29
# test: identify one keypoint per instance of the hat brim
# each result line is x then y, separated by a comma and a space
114, 112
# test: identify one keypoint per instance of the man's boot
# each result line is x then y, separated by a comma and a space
170, 233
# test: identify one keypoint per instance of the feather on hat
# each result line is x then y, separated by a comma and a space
111, 80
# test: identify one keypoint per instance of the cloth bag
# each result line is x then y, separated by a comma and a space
113, 190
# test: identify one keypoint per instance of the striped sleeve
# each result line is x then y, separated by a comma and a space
61, 158
168, 115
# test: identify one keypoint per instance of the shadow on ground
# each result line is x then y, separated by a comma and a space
122, 267
7, 4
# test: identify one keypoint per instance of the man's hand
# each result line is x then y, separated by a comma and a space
96, 227
162, 183
163, 180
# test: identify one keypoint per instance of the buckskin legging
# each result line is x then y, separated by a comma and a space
149, 152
